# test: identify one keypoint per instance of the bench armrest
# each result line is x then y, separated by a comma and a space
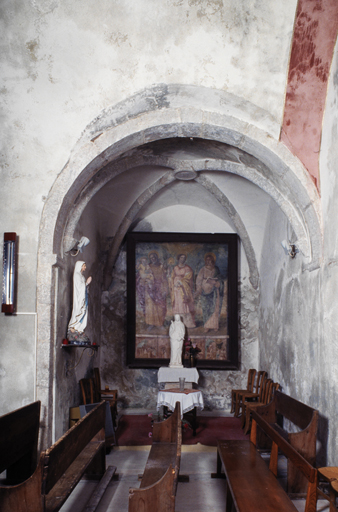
15, 497
163, 491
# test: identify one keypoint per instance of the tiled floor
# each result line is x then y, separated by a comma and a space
200, 494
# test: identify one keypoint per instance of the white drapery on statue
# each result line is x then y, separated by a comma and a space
78, 321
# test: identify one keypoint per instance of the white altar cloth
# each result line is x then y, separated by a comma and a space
188, 400
166, 374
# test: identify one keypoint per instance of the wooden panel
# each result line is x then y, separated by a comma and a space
70, 445
253, 487
19, 437
166, 431
300, 414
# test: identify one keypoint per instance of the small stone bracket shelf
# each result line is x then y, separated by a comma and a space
70, 345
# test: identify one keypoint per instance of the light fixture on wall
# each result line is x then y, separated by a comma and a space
79, 246
289, 248
8, 273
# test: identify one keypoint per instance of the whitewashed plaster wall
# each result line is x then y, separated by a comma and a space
62, 62
298, 319
328, 349
290, 324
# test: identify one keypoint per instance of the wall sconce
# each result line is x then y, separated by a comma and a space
8, 273
289, 248
79, 246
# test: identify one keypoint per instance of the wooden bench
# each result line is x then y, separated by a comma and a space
284, 407
81, 450
19, 443
252, 485
158, 486
328, 475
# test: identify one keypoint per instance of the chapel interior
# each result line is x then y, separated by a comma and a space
188, 117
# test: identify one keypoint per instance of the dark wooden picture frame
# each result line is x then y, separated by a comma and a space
194, 275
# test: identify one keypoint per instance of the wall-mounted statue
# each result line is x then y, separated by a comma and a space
78, 321
176, 334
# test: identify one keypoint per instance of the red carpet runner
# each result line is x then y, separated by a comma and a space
134, 430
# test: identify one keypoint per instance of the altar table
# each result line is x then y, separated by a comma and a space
190, 400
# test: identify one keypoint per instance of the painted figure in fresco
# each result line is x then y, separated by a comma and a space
143, 275
155, 292
176, 334
210, 288
181, 291
78, 321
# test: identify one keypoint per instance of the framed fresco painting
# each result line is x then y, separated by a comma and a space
193, 275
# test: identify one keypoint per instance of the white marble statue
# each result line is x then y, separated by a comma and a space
78, 321
176, 334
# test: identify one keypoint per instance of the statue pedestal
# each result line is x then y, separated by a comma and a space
170, 376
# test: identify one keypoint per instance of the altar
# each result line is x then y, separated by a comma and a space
170, 377
190, 400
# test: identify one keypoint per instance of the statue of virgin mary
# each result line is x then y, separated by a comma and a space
176, 334
78, 321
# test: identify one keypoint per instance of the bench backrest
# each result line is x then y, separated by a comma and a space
166, 430
19, 432
88, 391
266, 391
60, 456
251, 379
261, 376
298, 413
170, 431
279, 443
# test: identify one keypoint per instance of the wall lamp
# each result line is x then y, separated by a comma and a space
289, 248
79, 246
8, 273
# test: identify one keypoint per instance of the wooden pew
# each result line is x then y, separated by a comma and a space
252, 486
284, 407
158, 486
81, 450
328, 475
19, 432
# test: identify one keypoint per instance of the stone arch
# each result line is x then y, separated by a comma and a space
162, 112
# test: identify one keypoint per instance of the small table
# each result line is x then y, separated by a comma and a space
190, 400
